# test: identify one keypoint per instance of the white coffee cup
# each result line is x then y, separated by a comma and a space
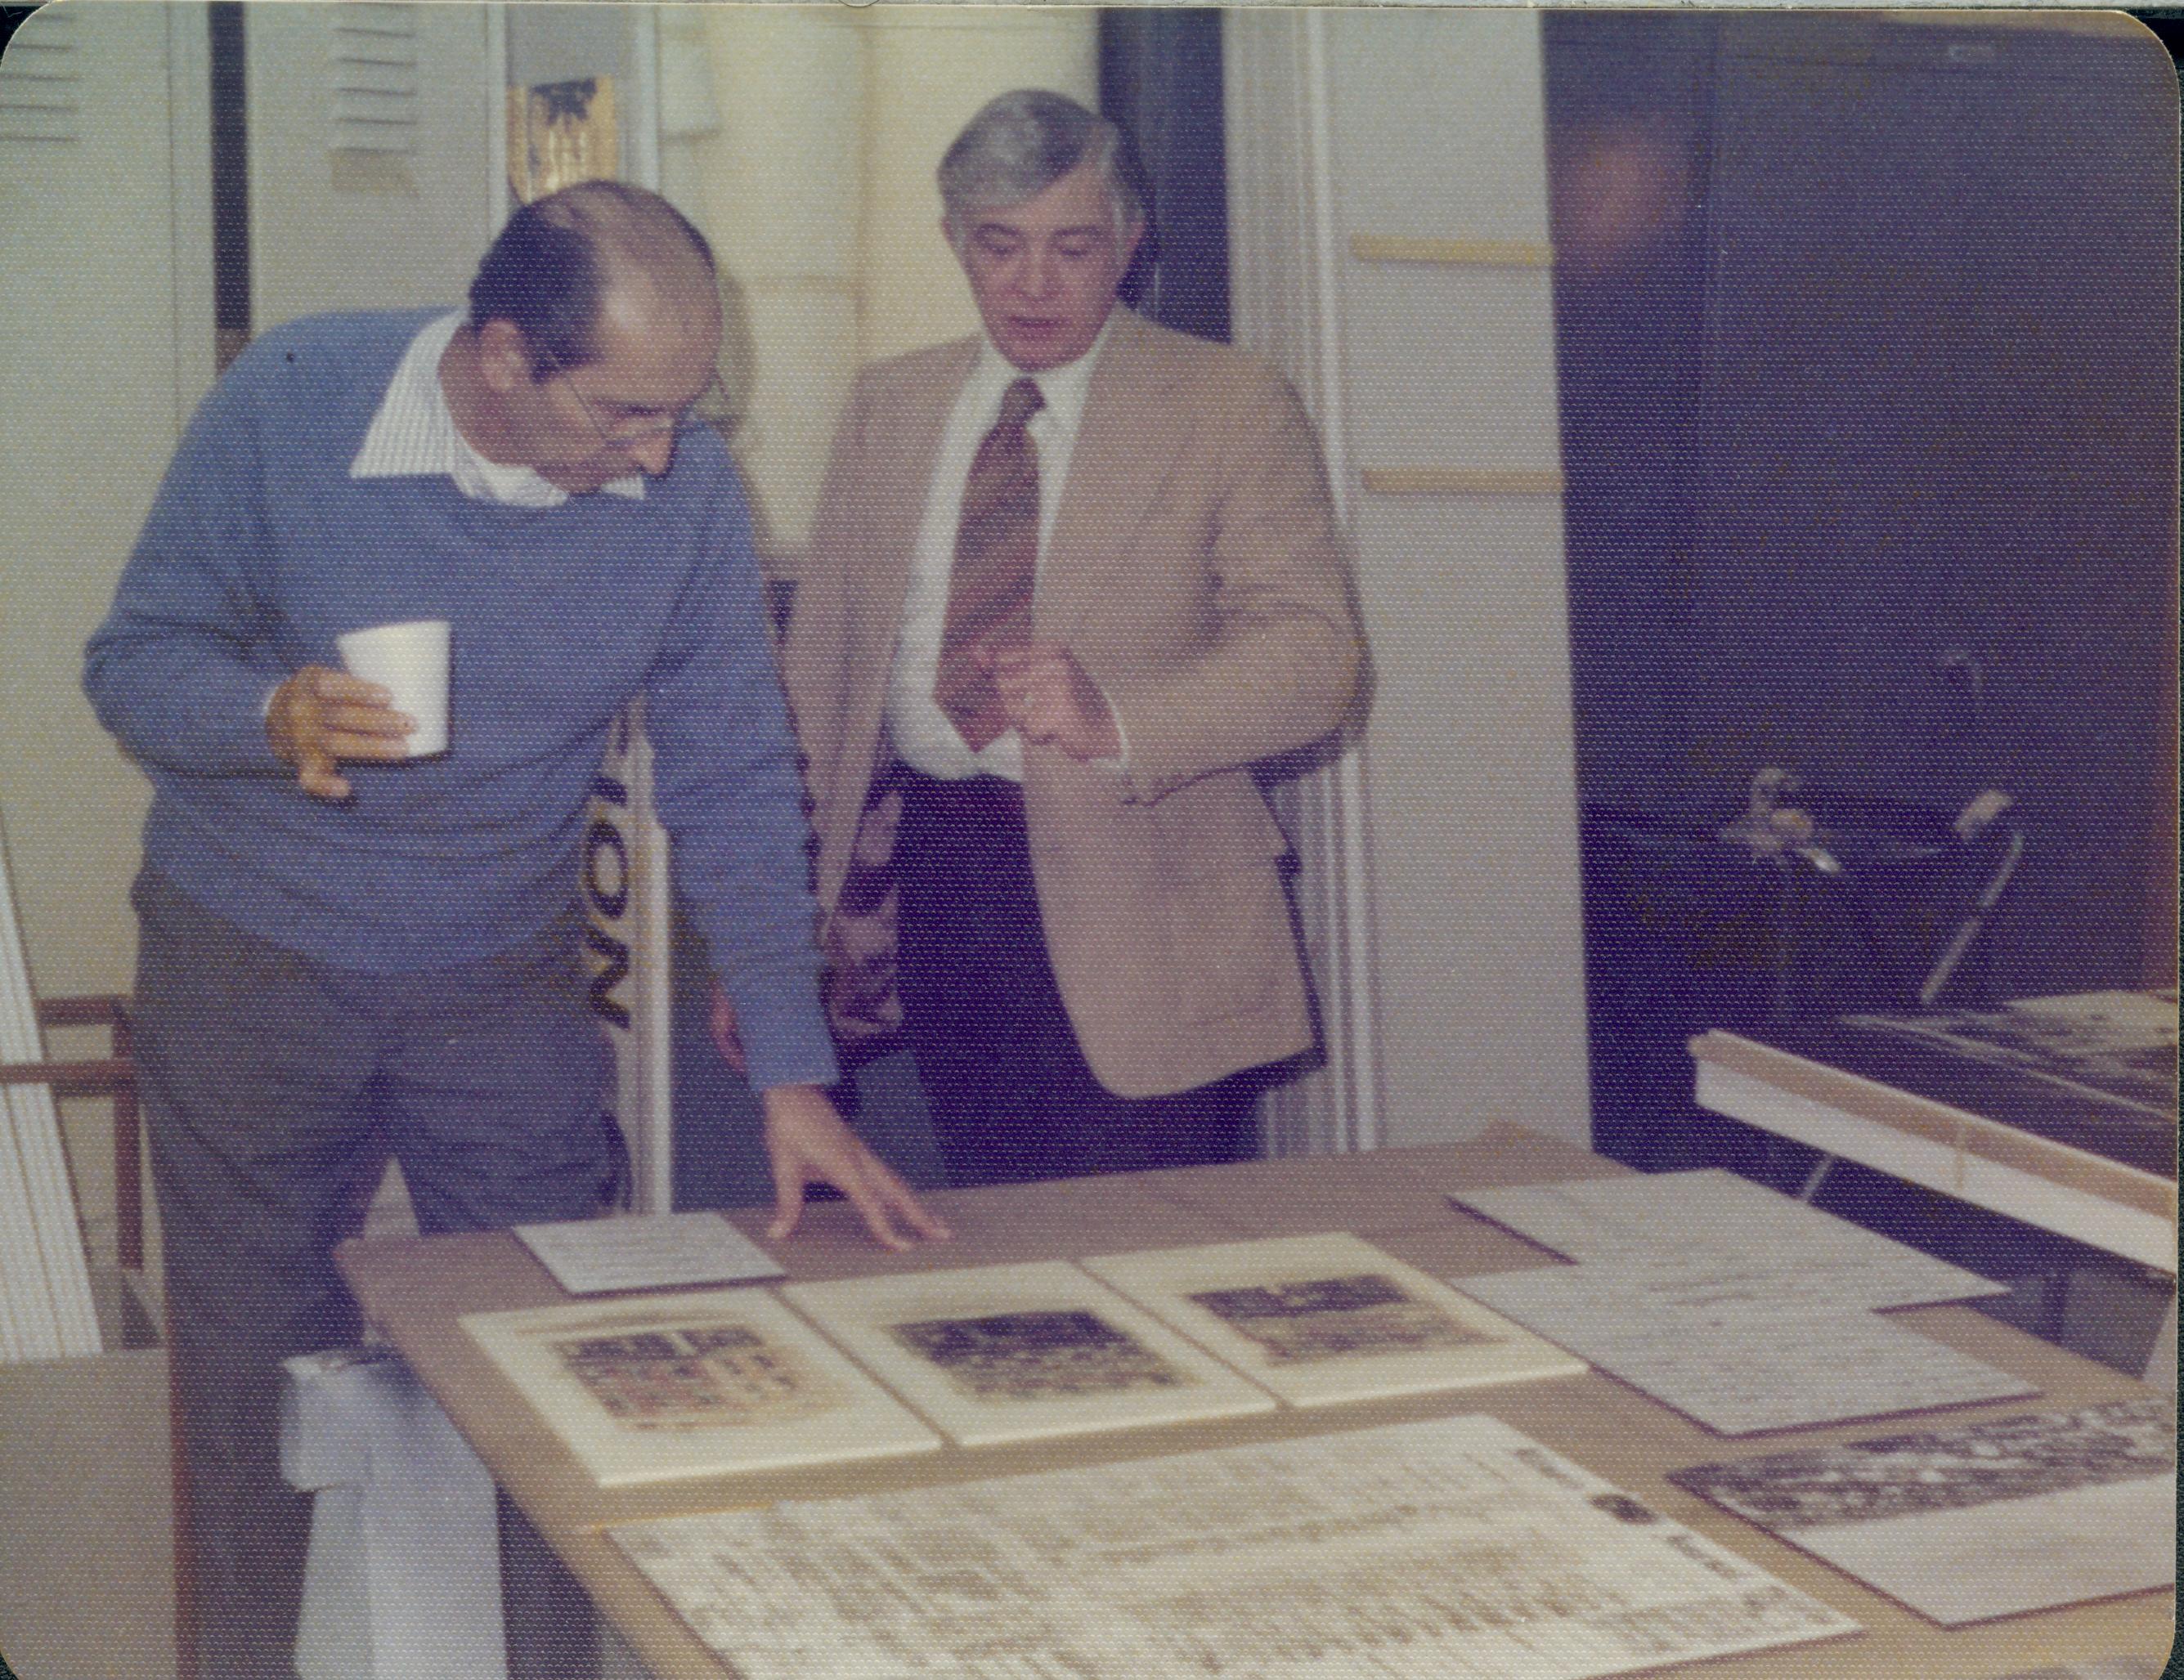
410, 661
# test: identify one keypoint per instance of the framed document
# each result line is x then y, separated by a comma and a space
1015, 1353
1323, 1319
690, 1385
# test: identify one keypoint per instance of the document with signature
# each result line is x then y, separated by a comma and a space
1731, 1357
1711, 1220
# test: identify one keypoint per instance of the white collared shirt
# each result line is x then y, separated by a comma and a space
414, 435
924, 736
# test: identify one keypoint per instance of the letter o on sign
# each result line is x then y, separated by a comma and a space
606, 884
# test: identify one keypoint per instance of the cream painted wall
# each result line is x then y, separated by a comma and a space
813, 176
1437, 129
92, 237
105, 285
778, 184
1441, 886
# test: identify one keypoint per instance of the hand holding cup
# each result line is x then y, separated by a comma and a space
320, 716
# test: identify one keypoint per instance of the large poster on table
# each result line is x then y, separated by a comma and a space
625, 883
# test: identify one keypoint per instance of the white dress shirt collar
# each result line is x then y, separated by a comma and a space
414, 435
922, 735
1063, 389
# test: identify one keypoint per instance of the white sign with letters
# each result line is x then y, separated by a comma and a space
624, 887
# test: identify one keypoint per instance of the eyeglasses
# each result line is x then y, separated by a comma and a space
620, 425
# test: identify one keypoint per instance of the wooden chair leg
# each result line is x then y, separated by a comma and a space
186, 1598
128, 1182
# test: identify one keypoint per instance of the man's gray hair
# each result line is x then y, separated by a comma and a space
1023, 143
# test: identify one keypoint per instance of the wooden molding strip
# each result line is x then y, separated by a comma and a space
1485, 253
1461, 481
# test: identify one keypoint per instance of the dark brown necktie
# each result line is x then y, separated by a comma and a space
989, 587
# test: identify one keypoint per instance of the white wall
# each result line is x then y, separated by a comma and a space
1389, 208
105, 285
95, 228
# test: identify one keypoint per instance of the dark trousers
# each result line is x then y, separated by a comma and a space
1010, 1095
275, 1090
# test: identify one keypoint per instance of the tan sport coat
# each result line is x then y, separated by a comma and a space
1195, 571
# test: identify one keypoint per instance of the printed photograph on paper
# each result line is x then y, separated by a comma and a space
1030, 1356
1020, 1352
724, 1380
1999, 1517
1325, 1318
696, 1377
1328, 1318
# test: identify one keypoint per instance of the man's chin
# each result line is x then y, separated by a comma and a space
1036, 348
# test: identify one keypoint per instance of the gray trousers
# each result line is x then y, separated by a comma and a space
274, 1091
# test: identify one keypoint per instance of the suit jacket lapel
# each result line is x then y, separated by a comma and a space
1127, 442
890, 479
910, 425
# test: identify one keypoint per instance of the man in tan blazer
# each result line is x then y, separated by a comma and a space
1096, 948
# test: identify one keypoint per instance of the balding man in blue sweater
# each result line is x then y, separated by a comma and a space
345, 955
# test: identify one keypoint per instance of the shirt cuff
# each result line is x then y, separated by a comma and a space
1120, 763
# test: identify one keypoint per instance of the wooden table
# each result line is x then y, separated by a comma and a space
415, 1289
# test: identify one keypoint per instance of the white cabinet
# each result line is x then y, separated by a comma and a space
371, 154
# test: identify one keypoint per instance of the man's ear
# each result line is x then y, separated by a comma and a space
504, 356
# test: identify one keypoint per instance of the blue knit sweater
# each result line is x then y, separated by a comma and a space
260, 550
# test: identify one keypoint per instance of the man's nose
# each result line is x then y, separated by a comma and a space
1039, 271
654, 452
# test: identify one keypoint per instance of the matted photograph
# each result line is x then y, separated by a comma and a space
1324, 1319
697, 1385
1015, 1353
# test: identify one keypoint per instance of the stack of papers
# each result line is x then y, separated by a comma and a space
1742, 1309
646, 1251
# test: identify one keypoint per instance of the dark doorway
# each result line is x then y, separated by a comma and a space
1867, 333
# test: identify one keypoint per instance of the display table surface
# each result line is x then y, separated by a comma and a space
2058, 1153
413, 1290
